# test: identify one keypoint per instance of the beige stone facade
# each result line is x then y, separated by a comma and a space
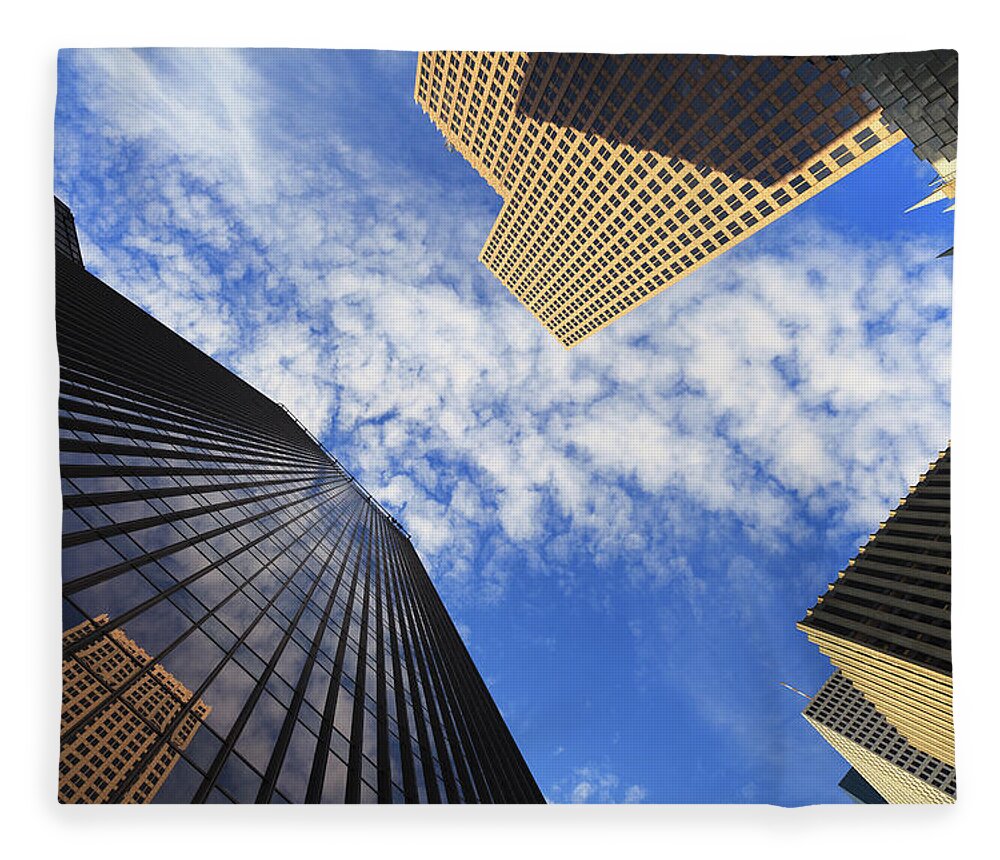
125, 711
622, 174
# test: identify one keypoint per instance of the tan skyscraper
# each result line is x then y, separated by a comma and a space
886, 621
621, 174
132, 705
896, 769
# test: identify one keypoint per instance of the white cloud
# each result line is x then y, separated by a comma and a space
591, 784
635, 794
765, 385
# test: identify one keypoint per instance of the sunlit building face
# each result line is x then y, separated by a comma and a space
622, 174
887, 761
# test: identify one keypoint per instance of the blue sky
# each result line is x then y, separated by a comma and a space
626, 532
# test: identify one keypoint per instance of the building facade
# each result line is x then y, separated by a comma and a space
894, 768
855, 786
622, 174
126, 729
918, 91
293, 647
886, 621
67, 242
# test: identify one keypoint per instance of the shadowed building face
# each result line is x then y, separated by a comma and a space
238, 609
886, 621
919, 92
622, 174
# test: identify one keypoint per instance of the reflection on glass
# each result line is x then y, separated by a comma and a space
222, 576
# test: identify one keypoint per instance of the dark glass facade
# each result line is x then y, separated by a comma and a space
859, 789
67, 242
895, 597
260, 628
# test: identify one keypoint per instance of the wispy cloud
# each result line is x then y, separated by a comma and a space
806, 376
595, 785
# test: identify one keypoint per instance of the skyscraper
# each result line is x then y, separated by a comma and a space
622, 174
886, 621
859, 789
918, 91
897, 771
125, 728
280, 620
67, 242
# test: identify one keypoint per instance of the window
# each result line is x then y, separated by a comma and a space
847, 116
807, 72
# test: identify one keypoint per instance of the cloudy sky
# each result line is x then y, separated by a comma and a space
626, 532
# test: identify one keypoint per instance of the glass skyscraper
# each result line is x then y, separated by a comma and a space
243, 622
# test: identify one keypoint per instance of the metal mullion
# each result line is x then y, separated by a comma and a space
403, 729
86, 500
416, 695
863, 597
925, 651
197, 694
883, 553
76, 335
89, 360
70, 733
181, 584
133, 433
113, 408
114, 570
77, 369
77, 538
877, 617
383, 767
480, 698
860, 577
302, 494
444, 693
162, 740
864, 562
452, 661
77, 446
357, 738
76, 470
229, 742
277, 757
136, 428
505, 773
469, 739
431, 692
317, 773
98, 392
94, 401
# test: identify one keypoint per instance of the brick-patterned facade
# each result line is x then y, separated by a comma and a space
125, 719
897, 770
622, 174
